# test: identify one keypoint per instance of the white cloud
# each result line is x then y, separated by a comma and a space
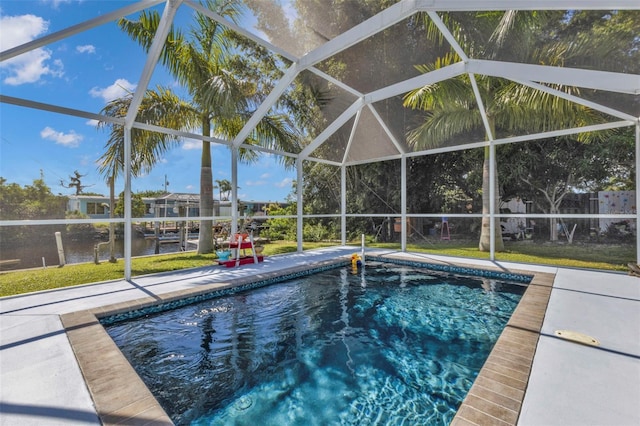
87, 48
86, 160
92, 123
71, 139
118, 89
265, 176
31, 66
284, 183
190, 144
189, 187
56, 3
255, 182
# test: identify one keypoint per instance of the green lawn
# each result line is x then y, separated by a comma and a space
590, 256
29, 280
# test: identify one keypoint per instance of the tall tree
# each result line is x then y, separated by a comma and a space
224, 188
75, 182
451, 109
202, 61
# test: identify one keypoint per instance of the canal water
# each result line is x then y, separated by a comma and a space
45, 252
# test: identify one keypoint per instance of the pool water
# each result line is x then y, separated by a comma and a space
388, 344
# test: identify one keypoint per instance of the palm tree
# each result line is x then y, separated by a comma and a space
224, 187
452, 109
159, 107
202, 63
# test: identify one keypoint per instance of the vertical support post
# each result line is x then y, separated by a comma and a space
492, 200
637, 187
60, 249
343, 204
403, 202
112, 226
127, 203
299, 186
234, 190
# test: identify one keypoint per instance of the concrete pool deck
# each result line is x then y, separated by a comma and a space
41, 381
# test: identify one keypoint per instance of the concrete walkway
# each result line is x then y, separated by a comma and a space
41, 383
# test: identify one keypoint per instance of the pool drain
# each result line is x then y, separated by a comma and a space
577, 337
243, 403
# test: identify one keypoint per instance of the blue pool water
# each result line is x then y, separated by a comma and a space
390, 344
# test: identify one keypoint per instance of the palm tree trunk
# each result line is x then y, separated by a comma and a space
485, 232
205, 237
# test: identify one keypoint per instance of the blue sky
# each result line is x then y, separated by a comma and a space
84, 72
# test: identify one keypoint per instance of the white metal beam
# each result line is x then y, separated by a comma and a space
578, 100
590, 79
128, 223
403, 204
75, 29
227, 23
171, 7
401, 149
360, 32
637, 186
343, 205
299, 206
58, 109
565, 132
402, 87
475, 5
351, 136
338, 83
263, 109
332, 128
374, 160
447, 35
483, 111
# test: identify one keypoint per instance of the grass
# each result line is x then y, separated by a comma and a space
588, 256
37, 279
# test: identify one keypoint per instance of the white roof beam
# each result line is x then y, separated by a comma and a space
578, 100
75, 29
590, 79
179, 133
360, 32
262, 42
475, 5
483, 111
323, 161
268, 103
523, 138
268, 150
332, 128
447, 35
58, 109
564, 132
374, 160
338, 83
264, 107
395, 142
432, 77
352, 135
170, 9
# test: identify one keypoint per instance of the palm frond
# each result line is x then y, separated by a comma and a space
443, 125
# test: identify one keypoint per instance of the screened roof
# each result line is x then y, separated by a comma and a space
363, 118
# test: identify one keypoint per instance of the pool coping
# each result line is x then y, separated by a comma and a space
120, 396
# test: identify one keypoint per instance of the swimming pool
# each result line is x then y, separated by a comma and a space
387, 345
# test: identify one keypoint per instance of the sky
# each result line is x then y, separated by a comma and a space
85, 72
